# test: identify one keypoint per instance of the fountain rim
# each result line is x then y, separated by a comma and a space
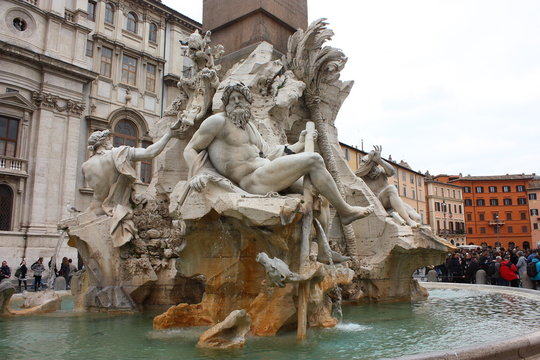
521, 347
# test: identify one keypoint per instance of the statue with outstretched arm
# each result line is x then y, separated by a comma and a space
110, 173
375, 172
237, 151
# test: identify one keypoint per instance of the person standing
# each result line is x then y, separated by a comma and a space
508, 272
38, 268
21, 275
5, 271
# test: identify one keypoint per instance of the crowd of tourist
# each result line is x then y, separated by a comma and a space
513, 267
67, 269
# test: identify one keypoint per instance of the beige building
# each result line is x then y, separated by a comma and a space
410, 183
533, 194
445, 209
68, 68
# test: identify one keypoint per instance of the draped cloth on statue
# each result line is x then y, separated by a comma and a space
118, 202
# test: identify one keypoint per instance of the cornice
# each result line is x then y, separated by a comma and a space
46, 61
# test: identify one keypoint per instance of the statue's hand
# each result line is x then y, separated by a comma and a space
199, 181
303, 134
377, 153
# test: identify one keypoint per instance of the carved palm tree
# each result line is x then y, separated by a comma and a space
315, 65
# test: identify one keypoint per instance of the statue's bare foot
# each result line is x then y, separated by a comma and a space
413, 224
356, 212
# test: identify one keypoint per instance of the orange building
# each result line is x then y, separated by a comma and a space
496, 209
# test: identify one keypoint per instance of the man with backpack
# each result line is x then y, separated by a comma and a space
493, 271
532, 268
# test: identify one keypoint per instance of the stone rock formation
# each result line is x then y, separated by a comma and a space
6, 292
228, 334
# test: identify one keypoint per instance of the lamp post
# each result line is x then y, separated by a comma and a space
444, 221
497, 228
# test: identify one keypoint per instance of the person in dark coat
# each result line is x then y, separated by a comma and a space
21, 275
455, 268
5, 271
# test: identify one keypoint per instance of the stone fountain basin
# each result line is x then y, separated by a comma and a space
520, 347
368, 331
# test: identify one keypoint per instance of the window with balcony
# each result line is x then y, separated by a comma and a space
91, 10
109, 13
106, 61
9, 130
6, 207
150, 77
492, 189
152, 33
129, 70
506, 189
131, 24
532, 196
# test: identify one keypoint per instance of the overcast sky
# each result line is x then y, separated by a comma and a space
448, 86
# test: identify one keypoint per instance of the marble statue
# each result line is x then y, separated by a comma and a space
109, 172
201, 87
237, 151
375, 171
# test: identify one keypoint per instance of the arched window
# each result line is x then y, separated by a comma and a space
109, 13
6, 207
125, 133
131, 22
152, 34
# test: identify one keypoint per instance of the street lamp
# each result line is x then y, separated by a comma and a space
497, 229
444, 221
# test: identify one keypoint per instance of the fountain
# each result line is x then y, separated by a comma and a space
225, 235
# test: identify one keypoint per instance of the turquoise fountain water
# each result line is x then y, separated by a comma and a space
448, 319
